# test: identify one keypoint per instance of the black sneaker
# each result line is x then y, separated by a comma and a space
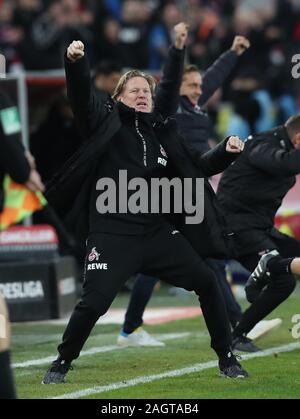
244, 344
56, 374
231, 368
259, 277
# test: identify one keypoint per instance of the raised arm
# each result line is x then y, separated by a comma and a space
217, 73
219, 158
86, 105
167, 93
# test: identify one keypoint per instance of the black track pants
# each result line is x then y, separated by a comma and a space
162, 252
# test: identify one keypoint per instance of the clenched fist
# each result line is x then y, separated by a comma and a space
181, 34
234, 145
75, 51
240, 45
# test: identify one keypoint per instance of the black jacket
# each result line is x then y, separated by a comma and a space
12, 158
99, 120
252, 189
193, 122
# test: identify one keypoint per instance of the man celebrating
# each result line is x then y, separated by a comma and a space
251, 191
194, 125
135, 133
195, 91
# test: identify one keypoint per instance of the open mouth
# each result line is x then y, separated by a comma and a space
144, 104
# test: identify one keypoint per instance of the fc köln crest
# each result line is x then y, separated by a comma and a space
162, 151
94, 255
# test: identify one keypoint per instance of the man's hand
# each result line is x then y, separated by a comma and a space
30, 159
240, 45
34, 182
234, 145
75, 51
181, 34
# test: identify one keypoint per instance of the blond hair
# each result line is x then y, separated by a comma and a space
129, 75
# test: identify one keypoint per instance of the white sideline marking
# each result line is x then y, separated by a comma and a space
93, 351
175, 373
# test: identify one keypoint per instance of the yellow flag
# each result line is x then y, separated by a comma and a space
19, 203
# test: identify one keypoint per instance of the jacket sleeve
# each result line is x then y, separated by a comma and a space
167, 93
215, 160
87, 105
271, 159
12, 152
216, 74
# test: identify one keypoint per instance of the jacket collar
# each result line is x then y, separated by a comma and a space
186, 106
127, 113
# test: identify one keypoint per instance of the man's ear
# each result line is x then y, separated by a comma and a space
297, 140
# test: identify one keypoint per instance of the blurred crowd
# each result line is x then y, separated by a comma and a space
137, 34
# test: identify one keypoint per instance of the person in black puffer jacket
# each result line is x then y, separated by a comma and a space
195, 126
250, 192
135, 133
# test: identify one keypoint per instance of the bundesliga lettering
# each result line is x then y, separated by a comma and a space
22, 290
